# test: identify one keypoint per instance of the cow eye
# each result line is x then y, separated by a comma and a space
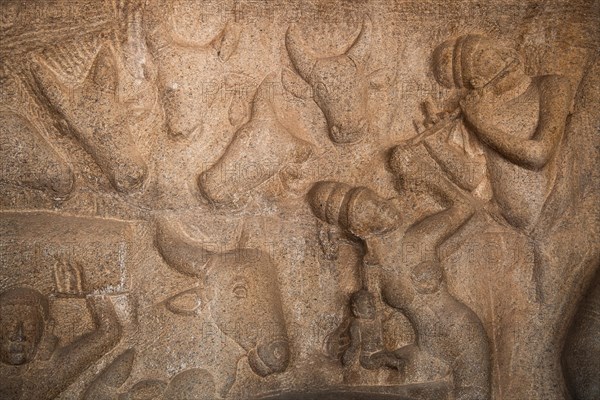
321, 88
240, 291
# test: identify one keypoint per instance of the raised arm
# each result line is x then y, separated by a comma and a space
433, 230
71, 360
466, 172
531, 153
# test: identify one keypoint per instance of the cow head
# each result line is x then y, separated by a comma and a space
242, 292
188, 75
339, 84
245, 302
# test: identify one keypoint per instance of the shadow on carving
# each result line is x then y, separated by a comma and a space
581, 355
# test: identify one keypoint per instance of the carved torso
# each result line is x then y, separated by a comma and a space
520, 192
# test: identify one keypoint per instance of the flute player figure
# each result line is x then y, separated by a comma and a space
520, 121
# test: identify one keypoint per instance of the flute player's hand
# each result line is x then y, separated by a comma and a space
477, 106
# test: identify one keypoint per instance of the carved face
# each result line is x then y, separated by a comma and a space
427, 277
369, 214
488, 63
362, 306
481, 61
246, 305
21, 328
339, 84
340, 89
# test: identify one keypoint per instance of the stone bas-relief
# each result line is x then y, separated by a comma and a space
186, 212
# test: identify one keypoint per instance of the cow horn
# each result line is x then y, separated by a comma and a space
361, 48
302, 57
180, 252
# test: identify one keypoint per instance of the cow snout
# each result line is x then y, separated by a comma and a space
270, 358
60, 179
350, 134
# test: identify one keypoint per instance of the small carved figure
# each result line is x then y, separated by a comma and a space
28, 159
32, 367
412, 279
366, 336
242, 292
338, 84
260, 149
97, 119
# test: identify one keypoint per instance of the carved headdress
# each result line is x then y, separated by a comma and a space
453, 60
28, 297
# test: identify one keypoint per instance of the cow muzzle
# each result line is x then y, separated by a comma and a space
270, 358
351, 134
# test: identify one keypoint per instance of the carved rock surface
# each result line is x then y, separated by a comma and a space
243, 199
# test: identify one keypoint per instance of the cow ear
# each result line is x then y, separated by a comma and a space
381, 78
295, 85
188, 302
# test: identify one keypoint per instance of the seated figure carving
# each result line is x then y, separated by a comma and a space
411, 277
366, 336
33, 367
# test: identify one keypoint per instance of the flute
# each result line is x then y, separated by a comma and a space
457, 112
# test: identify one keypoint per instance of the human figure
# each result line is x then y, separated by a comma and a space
521, 122
524, 126
519, 119
32, 365
411, 278
366, 336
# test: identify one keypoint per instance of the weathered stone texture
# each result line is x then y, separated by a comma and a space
247, 199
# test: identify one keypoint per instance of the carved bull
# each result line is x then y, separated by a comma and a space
242, 292
187, 74
338, 84
260, 149
95, 116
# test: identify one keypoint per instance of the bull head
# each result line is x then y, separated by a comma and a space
186, 75
338, 84
242, 293
263, 141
